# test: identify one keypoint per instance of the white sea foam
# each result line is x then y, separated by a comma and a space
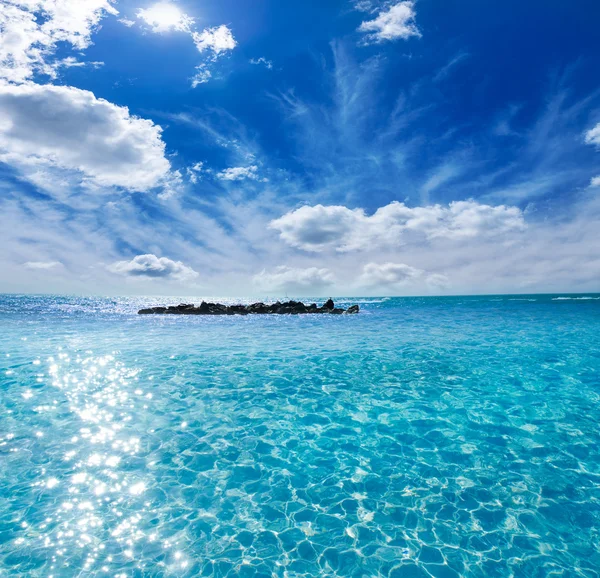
575, 298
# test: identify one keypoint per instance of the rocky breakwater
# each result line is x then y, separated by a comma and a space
286, 308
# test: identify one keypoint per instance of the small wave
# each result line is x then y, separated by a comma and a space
575, 298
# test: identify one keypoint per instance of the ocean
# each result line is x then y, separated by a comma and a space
443, 437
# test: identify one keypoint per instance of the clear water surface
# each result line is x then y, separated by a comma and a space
424, 437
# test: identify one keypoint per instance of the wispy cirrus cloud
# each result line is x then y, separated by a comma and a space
353, 141
262, 61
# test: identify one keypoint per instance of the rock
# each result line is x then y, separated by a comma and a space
300, 308
278, 308
353, 309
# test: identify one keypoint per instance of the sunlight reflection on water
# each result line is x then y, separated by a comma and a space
89, 520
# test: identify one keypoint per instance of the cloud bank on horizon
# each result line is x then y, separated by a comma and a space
397, 147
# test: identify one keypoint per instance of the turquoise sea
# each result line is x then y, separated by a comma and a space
438, 437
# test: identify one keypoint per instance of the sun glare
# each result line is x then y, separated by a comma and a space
165, 17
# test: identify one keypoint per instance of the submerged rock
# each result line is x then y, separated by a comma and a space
278, 308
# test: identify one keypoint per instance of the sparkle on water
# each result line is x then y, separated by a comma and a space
438, 437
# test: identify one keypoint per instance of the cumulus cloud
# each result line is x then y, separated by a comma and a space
165, 17
151, 266
320, 228
31, 30
194, 172
396, 22
215, 43
42, 265
592, 136
238, 173
398, 275
595, 181
218, 39
67, 128
294, 279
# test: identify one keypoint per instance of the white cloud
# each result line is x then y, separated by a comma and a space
396, 22
171, 185
30, 31
386, 276
389, 274
294, 279
216, 42
68, 128
202, 76
194, 172
218, 39
165, 17
238, 173
127, 22
592, 136
154, 267
42, 265
438, 281
262, 60
213, 42
72, 62
321, 228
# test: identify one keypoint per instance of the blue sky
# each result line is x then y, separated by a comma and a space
269, 147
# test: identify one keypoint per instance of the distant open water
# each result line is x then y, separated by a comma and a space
438, 437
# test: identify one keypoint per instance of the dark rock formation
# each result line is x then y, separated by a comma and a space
289, 307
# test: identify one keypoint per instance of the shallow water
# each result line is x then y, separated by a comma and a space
424, 437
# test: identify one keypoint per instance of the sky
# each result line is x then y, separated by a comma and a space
273, 147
